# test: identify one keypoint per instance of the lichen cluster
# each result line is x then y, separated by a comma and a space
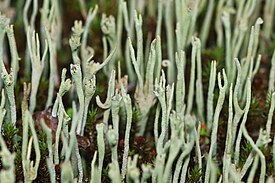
158, 91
